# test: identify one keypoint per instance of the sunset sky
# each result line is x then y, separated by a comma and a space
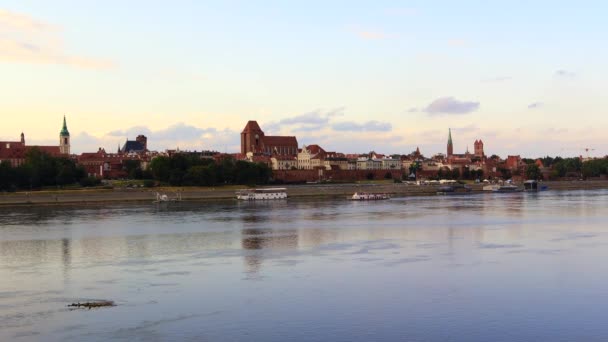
526, 77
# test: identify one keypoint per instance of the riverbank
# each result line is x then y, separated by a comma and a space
227, 193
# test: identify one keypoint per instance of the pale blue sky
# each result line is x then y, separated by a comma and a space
525, 77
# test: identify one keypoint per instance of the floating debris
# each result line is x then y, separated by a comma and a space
91, 305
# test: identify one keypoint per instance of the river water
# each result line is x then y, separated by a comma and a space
484, 267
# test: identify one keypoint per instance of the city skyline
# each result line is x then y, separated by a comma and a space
386, 77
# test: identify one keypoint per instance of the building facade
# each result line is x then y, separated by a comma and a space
253, 140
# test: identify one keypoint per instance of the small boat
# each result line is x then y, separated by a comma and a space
261, 194
367, 196
491, 187
532, 185
453, 190
507, 188
445, 190
161, 198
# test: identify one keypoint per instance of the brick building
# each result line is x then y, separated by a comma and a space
253, 140
15, 152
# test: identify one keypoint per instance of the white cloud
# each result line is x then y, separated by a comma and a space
369, 126
24, 39
184, 136
449, 105
315, 117
565, 74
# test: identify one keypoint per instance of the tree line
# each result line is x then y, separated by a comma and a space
191, 170
39, 170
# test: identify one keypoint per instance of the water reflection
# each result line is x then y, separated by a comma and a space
343, 269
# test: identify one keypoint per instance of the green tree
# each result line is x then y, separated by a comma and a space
161, 168
533, 172
466, 173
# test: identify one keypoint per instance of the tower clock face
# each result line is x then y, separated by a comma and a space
257, 136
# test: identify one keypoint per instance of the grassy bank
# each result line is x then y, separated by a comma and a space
100, 195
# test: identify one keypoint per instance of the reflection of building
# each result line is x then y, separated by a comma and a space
253, 140
15, 152
255, 241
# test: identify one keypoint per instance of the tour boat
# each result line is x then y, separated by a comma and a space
365, 196
261, 194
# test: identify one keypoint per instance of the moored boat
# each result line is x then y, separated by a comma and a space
532, 185
367, 196
507, 188
161, 198
453, 190
261, 194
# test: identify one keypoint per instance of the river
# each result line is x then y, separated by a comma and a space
481, 267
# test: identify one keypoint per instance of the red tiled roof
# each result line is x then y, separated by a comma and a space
290, 141
251, 126
315, 149
12, 153
52, 150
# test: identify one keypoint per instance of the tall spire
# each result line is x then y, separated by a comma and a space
450, 145
450, 136
64, 130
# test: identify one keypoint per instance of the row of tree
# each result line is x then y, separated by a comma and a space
446, 173
188, 170
40, 170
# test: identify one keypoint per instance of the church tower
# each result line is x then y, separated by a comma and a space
252, 138
64, 139
479, 149
450, 145
22, 139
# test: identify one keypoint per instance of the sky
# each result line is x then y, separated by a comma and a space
526, 77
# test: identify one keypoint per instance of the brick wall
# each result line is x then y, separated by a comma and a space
301, 176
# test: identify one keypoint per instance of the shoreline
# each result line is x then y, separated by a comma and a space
88, 196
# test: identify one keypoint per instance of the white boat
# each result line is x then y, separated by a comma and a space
261, 194
164, 198
507, 188
365, 196
161, 198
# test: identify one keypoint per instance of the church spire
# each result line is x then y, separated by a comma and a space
64, 138
450, 136
450, 145
64, 130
